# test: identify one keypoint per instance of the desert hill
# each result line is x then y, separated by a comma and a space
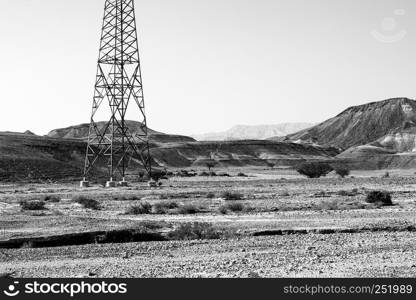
81, 132
261, 132
26, 157
361, 125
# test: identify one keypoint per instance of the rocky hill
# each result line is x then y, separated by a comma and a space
81, 132
261, 132
362, 125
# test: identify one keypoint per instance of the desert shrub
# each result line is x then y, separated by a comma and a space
224, 175
232, 196
270, 164
32, 205
87, 202
314, 169
380, 198
211, 195
188, 209
185, 173
143, 208
223, 209
342, 172
162, 208
125, 198
51, 198
234, 207
164, 197
195, 231
241, 175
157, 175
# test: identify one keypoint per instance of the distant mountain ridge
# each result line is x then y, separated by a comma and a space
256, 132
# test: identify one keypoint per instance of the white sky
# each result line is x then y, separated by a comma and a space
209, 65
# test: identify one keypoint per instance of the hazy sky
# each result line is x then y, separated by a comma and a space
209, 65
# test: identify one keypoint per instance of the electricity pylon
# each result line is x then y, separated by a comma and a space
118, 85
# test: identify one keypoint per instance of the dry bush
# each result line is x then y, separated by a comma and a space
223, 209
143, 208
188, 209
210, 195
127, 198
232, 196
195, 231
32, 205
234, 207
162, 208
380, 198
51, 198
86, 202
314, 169
342, 172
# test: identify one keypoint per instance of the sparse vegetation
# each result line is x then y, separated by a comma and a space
224, 175
342, 172
379, 198
347, 193
340, 205
270, 164
195, 231
32, 205
188, 209
143, 208
162, 208
51, 198
232, 196
223, 209
210, 163
185, 173
210, 195
234, 207
87, 203
314, 169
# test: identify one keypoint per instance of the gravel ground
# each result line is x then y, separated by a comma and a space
336, 255
281, 199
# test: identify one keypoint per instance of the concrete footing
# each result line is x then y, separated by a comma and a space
84, 184
111, 184
123, 183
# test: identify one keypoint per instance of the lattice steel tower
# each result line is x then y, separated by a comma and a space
118, 84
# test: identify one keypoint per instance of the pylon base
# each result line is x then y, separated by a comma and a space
84, 184
123, 184
111, 184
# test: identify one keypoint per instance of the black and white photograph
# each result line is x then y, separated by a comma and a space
179, 139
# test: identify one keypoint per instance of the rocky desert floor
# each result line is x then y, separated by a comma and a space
272, 223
